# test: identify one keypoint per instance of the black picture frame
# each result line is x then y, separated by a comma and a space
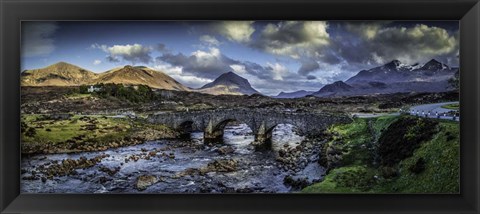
14, 11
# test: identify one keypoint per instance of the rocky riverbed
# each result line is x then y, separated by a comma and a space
181, 166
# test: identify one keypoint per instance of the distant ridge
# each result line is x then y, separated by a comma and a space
295, 94
394, 77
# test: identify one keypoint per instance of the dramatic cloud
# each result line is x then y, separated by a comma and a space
135, 53
177, 73
202, 67
277, 71
412, 44
209, 40
238, 31
38, 38
239, 68
372, 44
367, 30
206, 64
308, 66
295, 39
273, 55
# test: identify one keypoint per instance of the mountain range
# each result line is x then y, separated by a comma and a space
295, 94
392, 77
65, 74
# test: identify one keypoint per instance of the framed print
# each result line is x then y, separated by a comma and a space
239, 106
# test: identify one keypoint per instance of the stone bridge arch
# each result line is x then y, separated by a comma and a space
261, 122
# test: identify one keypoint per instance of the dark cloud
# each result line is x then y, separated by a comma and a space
160, 47
307, 67
38, 38
270, 79
294, 39
374, 44
112, 59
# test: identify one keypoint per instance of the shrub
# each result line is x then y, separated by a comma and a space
143, 93
418, 167
402, 137
30, 132
83, 89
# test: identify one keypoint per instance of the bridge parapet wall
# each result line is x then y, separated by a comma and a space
262, 122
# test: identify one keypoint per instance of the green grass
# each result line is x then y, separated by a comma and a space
57, 131
356, 139
74, 96
41, 134
381, 123
349, 179
442, 169
453, 106
356, 175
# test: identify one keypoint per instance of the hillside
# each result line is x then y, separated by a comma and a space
59, 74
394, 77
65, 74
228, 83
140, 75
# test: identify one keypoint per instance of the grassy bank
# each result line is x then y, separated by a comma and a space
74, 133
453, 106
391, 155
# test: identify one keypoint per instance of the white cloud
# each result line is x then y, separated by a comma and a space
378, 59
38, 38
177, 73
131, 53
238, 68
168, 69
209, 40
192, 81
238, 31
97, 62
278, 71
204, 57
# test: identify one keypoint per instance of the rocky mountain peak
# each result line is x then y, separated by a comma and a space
434, 65
394, 64
229, 83
335, 87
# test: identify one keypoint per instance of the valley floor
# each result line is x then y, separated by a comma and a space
98, 142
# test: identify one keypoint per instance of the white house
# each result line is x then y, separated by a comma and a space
93, 89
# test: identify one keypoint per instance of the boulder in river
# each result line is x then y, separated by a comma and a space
227, 165
144, 181
225, 150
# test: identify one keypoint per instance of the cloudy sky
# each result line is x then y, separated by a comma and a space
274, 56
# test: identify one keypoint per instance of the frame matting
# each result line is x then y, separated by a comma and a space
12, 12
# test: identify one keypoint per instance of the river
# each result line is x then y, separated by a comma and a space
256, 171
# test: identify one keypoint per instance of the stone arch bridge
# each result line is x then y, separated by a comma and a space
262, 122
